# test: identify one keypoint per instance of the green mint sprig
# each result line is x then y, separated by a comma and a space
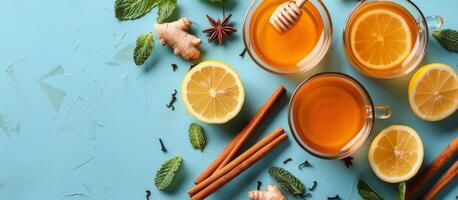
133, 9
288, 181
167, 172
448, 38
367, 192
143, 48
196, 136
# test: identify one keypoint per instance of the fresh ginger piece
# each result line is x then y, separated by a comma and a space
176, 36
271, 193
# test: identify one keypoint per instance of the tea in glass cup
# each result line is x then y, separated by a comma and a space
331, 115
385, 38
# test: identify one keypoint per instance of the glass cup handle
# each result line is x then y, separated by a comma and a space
382, 111
434, 21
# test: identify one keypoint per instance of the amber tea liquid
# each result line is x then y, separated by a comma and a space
329, 113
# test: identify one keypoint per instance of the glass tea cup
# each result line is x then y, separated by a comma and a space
331, 115
293, 52
387, 39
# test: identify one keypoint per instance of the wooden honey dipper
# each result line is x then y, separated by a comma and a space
286, 15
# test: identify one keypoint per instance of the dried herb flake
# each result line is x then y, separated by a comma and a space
313, 186
148, 194
243, 53
348, 161
174, 67
259, 185
334, 198
172, 100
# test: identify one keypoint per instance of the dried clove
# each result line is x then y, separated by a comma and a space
174, 67
304, 164
348, 161
243, 53
172, 101
163, 149
259, 185
287, 160
148, 194
313, 186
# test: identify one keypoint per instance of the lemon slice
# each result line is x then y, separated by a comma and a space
396, 154
381, 39
433, 92
213, 92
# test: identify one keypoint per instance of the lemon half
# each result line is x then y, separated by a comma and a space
213, 92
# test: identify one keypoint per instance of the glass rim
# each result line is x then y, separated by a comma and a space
325, 15
342, 154
408, 70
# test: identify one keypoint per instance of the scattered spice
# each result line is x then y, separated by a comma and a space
243, 53
148, 194
192, 66
163, 149
334, 198
348, 161
174, 98
307, 195
304, 164
313, 186
259, 185
219, 30
174, 67
287, 160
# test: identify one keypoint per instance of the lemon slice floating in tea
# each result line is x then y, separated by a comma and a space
433, 92
396, 154
381, 39
213, 92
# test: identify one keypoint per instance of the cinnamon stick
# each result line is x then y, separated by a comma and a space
221, 181
429, 172
231, 149
448, 176
252, 125
275, 134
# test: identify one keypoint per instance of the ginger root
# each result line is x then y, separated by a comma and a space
176, 36
271, 193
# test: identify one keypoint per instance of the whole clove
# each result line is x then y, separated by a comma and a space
174, 67
172, 101
243, 53
348, 161
313, 186
287, 160
259, 185
163, 149
304, 164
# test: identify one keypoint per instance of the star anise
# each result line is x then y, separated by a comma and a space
219, 29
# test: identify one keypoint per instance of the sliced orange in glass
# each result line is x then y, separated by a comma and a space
396, 154
381, 39
213, 92
433, 92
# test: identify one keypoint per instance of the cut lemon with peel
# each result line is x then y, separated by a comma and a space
396, 154
433, 92
213, 92
381, 39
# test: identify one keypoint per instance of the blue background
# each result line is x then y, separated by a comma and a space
70, 92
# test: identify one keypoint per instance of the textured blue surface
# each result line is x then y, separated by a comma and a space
70, 92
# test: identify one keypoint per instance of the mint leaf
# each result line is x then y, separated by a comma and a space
132, 9
196, 136
447, 38
402, 191
144, 47
166, 9
287, 181
167, 172
367, 192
